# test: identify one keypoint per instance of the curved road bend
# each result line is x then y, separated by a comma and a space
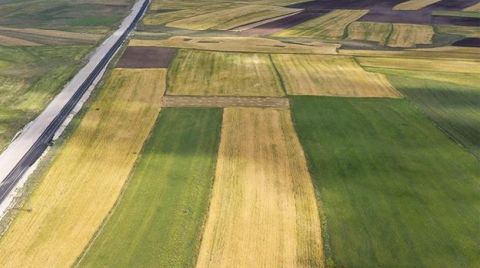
35, 138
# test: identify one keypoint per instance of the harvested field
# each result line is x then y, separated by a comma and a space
222, 74
85, 179
413, 196
434, 65
53, 33
230, 18
12, 41
414, 4
370, 31
282, 24
222, 102
240, 44
475, 7
410, 35
169, 15
468, 42
146, 57
164, 206
330, 76
329, 26
263, 211
446, 53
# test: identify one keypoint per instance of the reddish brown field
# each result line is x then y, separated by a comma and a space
146, 57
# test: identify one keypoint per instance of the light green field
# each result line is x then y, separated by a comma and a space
158, 220
394, 190
329, 26
467, 31
29, 78
222, 74
232, 17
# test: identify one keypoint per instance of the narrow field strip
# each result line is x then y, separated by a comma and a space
198, 73
329, 26
12, 41
159, 218
330, 76
414, 4
263, 211
54, 33
85, 178
394, 190
222, 102
232, 17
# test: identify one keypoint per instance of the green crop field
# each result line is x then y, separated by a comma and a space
394, 191
159, 218
29, 78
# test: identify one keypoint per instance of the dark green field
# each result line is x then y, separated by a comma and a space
158, 221
394, 190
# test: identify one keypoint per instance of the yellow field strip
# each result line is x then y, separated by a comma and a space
330, 76
240, 44
410, 35
12, 41
263, 210
86, 177
414, 4
54, 33
369, 31
448, 53
475, 7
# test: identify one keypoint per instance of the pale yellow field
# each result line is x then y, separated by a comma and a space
230, 18
467, 31
410, 35
54, 33
12, 41
443, 53
329, 26
414, 4
85, 179
433, 65
240, 44
369, 31
475, 7
165, 17
205, 73
263, 210
330, 76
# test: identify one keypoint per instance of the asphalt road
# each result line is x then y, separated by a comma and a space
25, 150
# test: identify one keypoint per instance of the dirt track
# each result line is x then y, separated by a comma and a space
186, 101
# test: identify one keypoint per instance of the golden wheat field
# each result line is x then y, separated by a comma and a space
329, 26
230, 18
208, 73
263, 210
240, 44
86, 177
410, 35
414, 4
433, 65
330, 76
369, 31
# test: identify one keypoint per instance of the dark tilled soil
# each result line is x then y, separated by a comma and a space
146, 57
468, 42
284, 23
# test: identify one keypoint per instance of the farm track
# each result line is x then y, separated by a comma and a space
221, 102
31, 144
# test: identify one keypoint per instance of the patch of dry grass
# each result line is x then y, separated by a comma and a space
410, 35
414, 4
84, 181
329, 26
330, 76
240, 44
12, 41
370, 31
205, 73
165, 17
475, 7
53, 33
263, 210
232, 17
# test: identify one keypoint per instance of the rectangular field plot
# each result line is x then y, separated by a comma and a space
410, 35
230, 18
414, 4
170, 14
50, 37
330, 76
146, 57
329, 26
378, 32
394, 190
163, 208
84, 180
223, 74
263, 211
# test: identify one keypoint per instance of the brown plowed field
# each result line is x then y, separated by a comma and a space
221, 102
146, 57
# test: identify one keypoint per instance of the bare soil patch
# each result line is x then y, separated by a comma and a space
222, 102
146, 57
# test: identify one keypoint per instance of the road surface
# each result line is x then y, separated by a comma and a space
36, 137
